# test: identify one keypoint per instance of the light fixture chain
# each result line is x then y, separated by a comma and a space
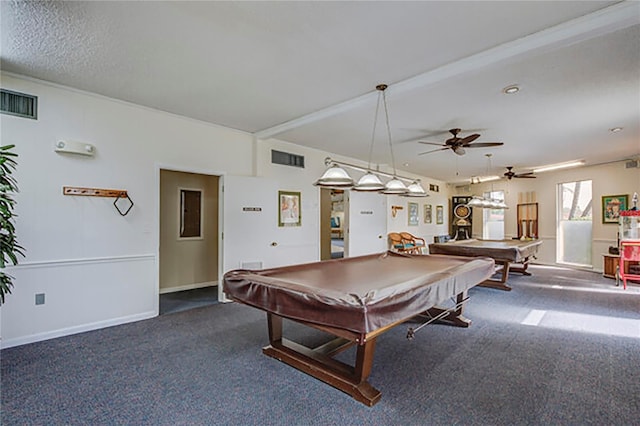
386, 113
373, 134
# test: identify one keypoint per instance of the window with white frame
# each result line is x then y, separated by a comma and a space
493, 219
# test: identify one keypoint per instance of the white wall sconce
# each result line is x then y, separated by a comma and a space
71, 147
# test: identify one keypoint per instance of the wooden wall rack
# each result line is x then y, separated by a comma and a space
97, 192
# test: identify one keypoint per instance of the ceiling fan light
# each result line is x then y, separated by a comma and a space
395, 187
459, 150
416, 190
335, 176
369, 182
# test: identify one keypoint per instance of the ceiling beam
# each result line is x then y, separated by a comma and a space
613, 18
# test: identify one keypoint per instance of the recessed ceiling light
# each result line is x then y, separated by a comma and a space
406, 164
510, 90
615, 129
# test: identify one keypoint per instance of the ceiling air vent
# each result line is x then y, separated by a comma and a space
286, 159
20, 104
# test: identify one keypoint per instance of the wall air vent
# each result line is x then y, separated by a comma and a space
19, 104
286, 159
632, 164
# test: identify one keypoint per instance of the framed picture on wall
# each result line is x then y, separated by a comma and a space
289, 211
612, 205
439, 215
427, 213
414, 214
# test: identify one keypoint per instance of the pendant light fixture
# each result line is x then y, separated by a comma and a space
395, 185
337, 177
370, 182
487, 203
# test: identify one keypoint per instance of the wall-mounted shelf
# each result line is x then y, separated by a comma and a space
118, 194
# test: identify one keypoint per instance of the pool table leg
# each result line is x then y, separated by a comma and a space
351, 380
454, 317
522, 269
500, 284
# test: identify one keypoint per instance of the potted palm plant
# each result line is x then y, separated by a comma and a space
9, 247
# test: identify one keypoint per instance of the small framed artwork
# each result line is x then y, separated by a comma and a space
289, 213
414, 214
612, 205
439, 215
427, 213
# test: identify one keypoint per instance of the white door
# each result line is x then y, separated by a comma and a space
365, 215
249, 206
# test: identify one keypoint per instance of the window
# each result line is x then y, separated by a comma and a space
190, 213
493, 219
574, 223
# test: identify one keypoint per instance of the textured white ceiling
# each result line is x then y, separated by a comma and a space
256, 65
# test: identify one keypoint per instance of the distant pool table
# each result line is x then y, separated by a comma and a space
504, 252
354, 299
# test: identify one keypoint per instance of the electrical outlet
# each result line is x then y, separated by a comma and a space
40, 299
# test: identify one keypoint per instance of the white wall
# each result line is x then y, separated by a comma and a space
400, 223
96, 267
298, 179
607, 179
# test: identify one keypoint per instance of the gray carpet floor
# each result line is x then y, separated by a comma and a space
179, 301
562, 348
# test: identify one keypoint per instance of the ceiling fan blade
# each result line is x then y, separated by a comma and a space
430, 143
469, 138
428, 152
526, 176
483, 144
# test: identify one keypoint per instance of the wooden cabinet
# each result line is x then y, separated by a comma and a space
527, 220
611, 262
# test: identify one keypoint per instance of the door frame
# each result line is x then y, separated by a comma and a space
156, 232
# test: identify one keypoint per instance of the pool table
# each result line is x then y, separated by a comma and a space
504, 252
355, 300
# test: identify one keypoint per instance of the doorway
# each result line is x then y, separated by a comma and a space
574, 230
188, 250
332, 223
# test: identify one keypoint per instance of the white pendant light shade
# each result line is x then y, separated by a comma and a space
416, 190
369, 182
335, 176
475, 202
395, 186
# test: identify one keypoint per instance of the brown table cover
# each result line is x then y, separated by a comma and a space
360, 294
509, 250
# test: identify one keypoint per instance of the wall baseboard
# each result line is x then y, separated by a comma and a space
188, 287
75, 330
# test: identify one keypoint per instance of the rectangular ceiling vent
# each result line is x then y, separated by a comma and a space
19, 104
287, 159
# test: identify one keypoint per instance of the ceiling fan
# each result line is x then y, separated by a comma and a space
510, 174
458, 145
